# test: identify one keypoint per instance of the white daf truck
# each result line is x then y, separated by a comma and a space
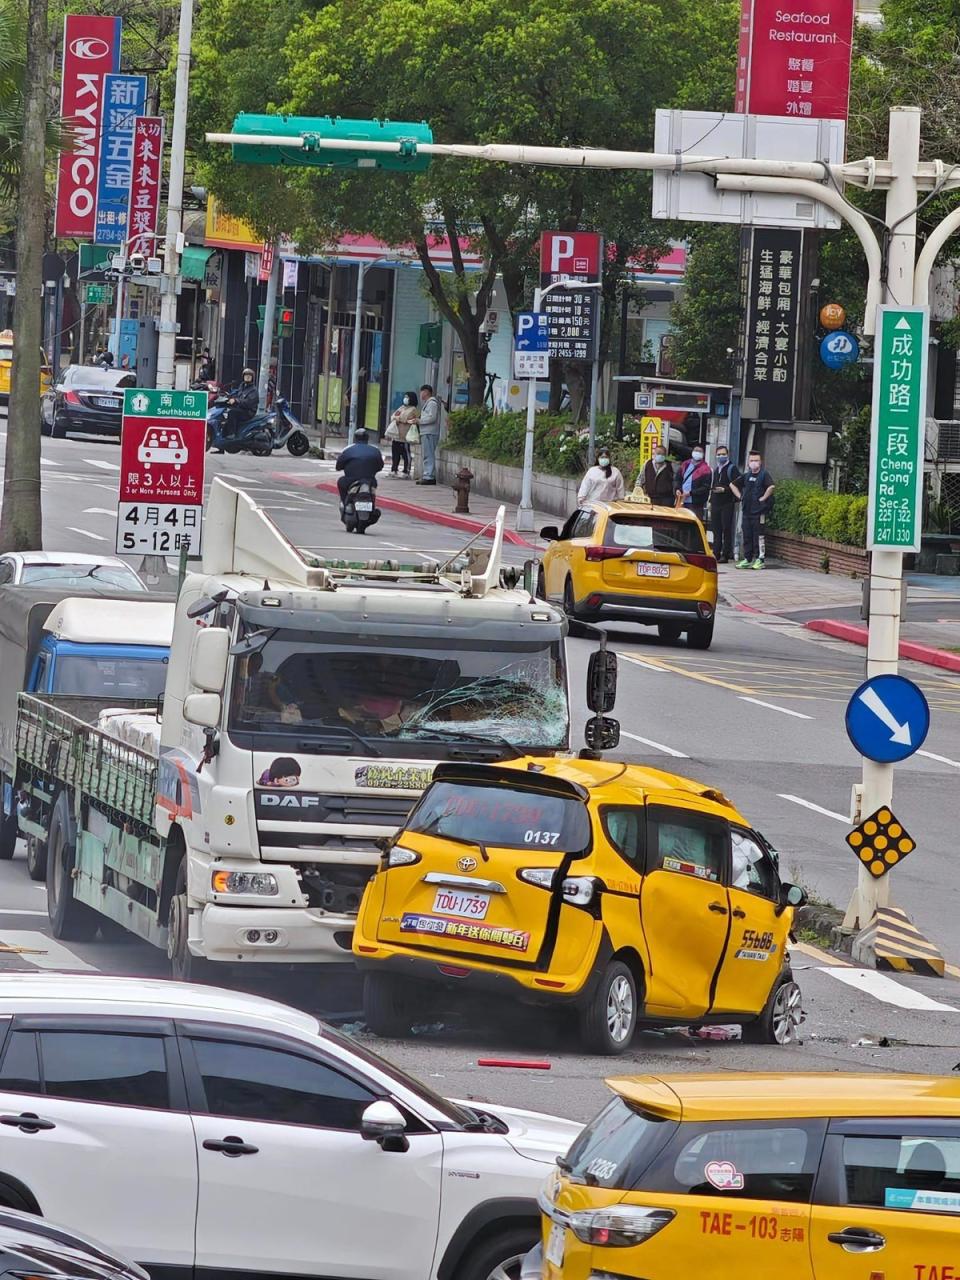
306, 706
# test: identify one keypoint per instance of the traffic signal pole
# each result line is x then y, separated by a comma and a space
269, 324
167, 339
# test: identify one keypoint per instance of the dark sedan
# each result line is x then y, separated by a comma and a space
30, 1246
85, 399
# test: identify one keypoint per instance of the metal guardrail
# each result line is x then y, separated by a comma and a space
63, 746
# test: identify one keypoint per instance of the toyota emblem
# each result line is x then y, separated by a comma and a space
90, 48
467, 864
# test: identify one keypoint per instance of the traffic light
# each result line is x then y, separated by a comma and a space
315, 129
284, 322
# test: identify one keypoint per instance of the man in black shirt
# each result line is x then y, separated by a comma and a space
756, 504
724, 496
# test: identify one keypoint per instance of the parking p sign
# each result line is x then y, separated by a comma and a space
531, 354
162, 451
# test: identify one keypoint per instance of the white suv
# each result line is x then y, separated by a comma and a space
204, 1131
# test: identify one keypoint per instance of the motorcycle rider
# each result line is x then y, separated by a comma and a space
242, 405
359, 461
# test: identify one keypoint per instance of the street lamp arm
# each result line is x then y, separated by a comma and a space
833, 200
937, 238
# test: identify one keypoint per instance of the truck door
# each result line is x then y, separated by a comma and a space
684, 907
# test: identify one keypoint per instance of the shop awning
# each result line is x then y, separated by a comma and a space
193, 261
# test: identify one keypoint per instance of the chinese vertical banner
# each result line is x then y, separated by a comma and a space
145, 182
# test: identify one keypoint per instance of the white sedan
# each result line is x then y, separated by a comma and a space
206, 1131
68, 571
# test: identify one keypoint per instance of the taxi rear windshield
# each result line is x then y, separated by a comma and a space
647, 533
618, 1147
502, 817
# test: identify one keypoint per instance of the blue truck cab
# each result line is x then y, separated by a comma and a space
83, 653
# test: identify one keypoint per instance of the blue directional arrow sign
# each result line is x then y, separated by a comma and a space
888, 719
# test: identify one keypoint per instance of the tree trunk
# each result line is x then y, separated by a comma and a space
20, 518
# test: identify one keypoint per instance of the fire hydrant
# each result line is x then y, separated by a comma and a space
462, 490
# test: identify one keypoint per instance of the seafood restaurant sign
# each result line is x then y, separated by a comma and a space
794, 58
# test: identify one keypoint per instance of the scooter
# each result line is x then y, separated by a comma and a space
359, 509
279, 427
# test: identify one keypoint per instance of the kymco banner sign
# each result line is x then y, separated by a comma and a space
794, 58
91, 49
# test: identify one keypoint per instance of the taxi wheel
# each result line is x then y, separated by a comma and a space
569, 603
668, 631
608, 1022
386, 1005
700, 636
780, 1021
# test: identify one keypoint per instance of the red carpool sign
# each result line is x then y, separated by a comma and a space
91, 49
794, 58
162, 451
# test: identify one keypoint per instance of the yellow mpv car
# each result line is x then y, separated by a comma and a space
805, 1177
6, 367
635, 562
625, 892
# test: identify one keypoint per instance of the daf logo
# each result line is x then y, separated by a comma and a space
467, 864
90, 48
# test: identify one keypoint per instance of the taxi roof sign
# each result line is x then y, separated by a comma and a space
880, 842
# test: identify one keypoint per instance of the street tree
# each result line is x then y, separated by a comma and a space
551, 72
24, 114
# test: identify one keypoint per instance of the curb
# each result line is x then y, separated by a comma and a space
429, 516
910, 649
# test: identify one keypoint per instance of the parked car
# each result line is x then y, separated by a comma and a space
808, 1177
201, 1128
68, 571
85, 399
30, 1246
633, 562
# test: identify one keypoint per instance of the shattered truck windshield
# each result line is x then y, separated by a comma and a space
401, 695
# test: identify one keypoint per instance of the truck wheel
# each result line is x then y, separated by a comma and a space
9, 831
498, 1257
387, 1008
36, 859
70, 920
780, 1021
608, 1021
184, 966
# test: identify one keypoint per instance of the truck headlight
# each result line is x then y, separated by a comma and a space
258, 882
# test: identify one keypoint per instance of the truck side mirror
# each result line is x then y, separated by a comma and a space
602, 733
602, 681
208, 661
202, 709
550, 533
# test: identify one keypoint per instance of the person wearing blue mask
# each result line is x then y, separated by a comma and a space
691, 483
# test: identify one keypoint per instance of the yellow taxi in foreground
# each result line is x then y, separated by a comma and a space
802, 1177
630, 560
620, 890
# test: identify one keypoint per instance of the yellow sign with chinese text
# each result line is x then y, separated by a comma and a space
224, 231
651, 434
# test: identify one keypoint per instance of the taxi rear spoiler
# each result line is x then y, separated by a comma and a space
527, 779
649, 1094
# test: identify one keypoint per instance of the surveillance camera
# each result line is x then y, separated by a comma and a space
137, 262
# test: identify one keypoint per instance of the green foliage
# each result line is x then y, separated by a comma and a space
851, 449
559, 448
800, 507
707, 319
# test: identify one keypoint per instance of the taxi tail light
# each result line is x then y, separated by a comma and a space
620, 1226
605, 553
542, 877
700, 560
400, 857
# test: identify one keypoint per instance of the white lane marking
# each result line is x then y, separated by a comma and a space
50, 953
808, 804
97, 537
49, 462
889, 991
932, 755
99, 511
21, 911
104, 466
772, 706
657, 746
232, 475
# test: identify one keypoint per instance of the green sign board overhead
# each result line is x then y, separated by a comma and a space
95, 294
353, 137
897, 430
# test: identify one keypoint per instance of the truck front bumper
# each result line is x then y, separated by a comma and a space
265, 935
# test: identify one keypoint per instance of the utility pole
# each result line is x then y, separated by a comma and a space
269, 324
167, 341
20, 519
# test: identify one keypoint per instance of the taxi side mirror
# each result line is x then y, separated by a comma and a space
792, 895
550, 533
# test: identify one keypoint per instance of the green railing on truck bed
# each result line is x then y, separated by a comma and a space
70, 749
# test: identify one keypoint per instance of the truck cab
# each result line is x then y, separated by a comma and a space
80, 654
